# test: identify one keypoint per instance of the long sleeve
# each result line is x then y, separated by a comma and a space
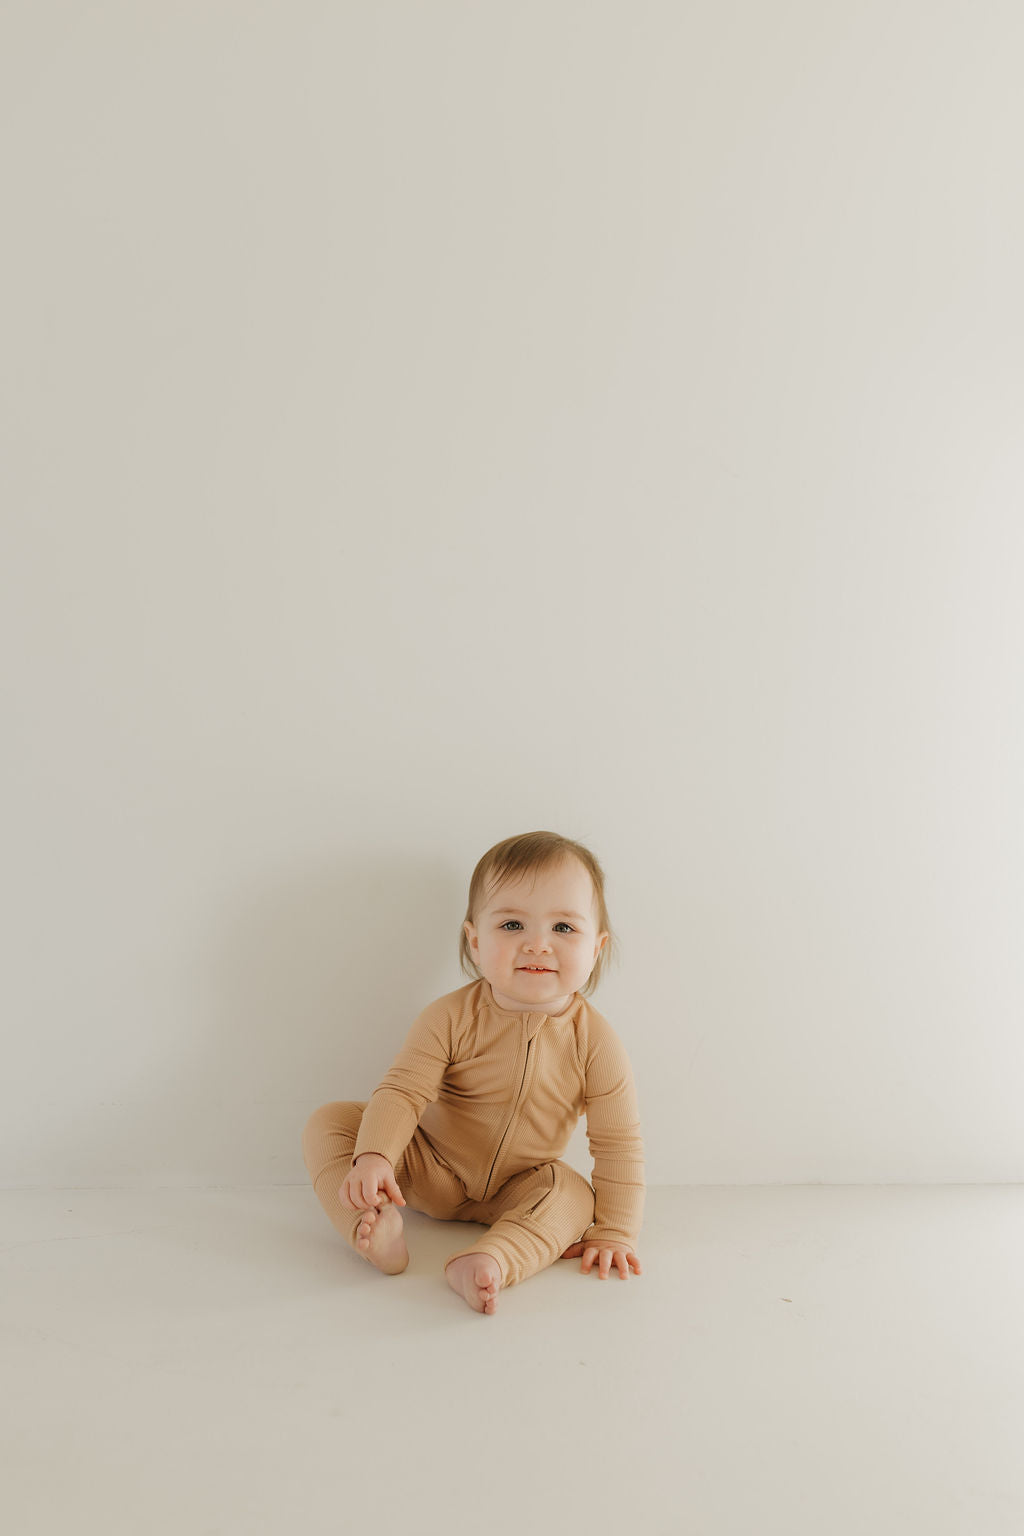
613, 1133
412, 1082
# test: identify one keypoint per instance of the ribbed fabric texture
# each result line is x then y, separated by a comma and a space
498, 1092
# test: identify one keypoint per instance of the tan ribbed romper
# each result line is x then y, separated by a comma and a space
473, 1116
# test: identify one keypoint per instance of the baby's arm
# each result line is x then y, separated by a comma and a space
412, 1082
616, 1146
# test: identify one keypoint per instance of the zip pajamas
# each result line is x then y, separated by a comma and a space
473, 1115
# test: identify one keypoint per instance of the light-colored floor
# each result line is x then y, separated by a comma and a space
826, 1360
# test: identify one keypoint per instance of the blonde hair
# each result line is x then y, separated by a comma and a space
520, 856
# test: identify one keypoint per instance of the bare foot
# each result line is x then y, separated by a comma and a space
477, 1278
379, 1238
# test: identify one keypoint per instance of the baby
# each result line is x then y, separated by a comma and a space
470, 1121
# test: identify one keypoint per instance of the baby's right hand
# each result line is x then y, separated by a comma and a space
362, 1185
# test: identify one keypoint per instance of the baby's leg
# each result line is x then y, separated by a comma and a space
533, 1218
328, 1142
327, 1145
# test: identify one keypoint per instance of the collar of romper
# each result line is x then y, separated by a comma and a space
533, 1017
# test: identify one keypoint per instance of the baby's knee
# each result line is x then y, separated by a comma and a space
330, 1132
575, 1194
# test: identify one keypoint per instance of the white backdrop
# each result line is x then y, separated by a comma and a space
427, 422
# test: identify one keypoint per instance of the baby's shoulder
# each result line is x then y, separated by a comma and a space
452, 1009
589, 1020
454, 1000
596, 1036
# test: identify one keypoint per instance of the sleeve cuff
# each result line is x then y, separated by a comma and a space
605, 1235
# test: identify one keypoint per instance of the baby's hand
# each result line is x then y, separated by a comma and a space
605, 1253
370, 1177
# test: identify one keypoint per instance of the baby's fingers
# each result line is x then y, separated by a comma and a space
590, 1253
622, 1259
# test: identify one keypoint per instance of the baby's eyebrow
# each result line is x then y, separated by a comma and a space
518, 912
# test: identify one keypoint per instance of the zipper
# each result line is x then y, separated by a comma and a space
501, 1143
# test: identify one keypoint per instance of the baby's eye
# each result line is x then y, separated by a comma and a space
519, 925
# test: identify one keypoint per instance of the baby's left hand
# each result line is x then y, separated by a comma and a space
605, 1253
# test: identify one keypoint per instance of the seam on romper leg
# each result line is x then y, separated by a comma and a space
546, 1195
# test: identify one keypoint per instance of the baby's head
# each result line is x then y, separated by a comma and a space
537, 899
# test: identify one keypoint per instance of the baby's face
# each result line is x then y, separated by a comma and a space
545, 921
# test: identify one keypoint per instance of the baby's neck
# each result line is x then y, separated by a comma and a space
553, 1006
